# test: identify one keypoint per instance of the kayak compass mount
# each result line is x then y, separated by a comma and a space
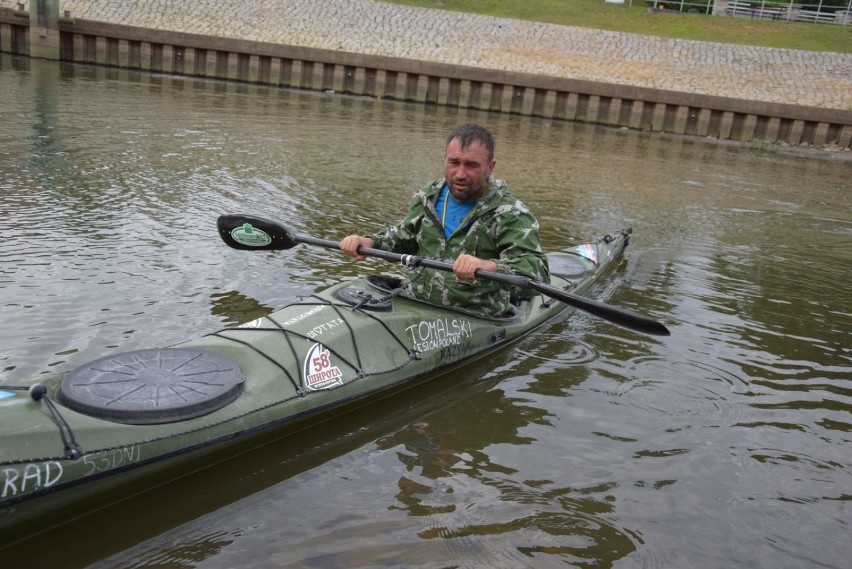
360, 298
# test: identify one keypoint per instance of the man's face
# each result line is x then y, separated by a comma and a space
467, 170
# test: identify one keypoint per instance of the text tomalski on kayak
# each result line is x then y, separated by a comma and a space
438, 333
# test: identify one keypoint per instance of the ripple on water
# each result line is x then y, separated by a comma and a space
792, 502
558, 351
687, 390
549, 364
802, 478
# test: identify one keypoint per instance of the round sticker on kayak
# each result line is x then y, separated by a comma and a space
320, 371
250, 236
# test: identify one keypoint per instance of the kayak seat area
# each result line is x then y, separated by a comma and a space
383, 283
391, 284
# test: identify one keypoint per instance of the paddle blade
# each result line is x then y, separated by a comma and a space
620, 316
254, 233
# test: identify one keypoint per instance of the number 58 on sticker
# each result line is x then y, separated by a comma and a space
320, 371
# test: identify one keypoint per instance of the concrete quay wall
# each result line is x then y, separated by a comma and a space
559, 98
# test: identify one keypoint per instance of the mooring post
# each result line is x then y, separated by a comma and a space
44, 29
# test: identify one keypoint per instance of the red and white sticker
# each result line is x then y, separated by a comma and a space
589, 251
320, 371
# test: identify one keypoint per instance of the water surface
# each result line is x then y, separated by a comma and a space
586, 445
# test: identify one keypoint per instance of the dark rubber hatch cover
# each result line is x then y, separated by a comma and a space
152, 386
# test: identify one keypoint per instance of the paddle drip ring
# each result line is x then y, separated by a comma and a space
410, 260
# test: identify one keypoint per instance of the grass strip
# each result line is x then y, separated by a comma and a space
637, 19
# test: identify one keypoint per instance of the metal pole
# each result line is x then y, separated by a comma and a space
44, 29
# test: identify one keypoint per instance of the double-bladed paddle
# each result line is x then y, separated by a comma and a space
257, 234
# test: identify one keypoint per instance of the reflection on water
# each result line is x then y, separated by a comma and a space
236, 308
725, 445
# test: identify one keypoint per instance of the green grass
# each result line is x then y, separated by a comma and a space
636, 19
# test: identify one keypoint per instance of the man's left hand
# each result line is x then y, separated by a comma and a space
465, 267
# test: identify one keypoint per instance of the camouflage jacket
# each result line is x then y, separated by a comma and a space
500, 228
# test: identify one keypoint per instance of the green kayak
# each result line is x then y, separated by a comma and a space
127, 422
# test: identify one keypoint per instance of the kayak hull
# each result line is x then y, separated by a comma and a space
129, 422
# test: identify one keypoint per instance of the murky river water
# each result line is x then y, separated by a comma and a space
586, 445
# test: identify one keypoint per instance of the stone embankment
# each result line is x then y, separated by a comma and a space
379, 49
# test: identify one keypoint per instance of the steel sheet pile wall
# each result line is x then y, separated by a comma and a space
751, 122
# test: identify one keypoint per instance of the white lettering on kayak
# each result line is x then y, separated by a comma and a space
302, 316
320, 371
30, 477
109, 459
440, 333
324, 327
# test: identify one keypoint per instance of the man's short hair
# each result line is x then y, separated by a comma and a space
470, 132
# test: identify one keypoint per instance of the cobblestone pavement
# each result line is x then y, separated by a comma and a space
818, 79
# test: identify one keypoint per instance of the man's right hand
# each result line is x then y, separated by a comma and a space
349, 245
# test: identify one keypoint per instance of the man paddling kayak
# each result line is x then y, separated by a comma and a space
469, 218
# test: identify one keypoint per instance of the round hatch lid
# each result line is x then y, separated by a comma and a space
152, 386
566, 267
